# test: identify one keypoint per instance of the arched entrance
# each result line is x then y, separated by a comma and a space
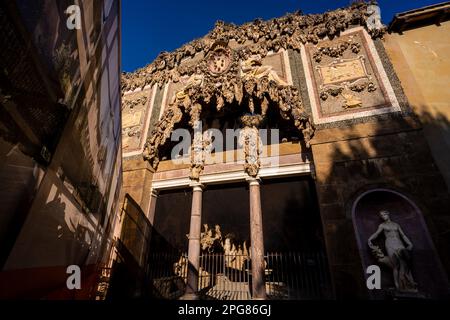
231, 86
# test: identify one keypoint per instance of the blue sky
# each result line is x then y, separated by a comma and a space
152, 26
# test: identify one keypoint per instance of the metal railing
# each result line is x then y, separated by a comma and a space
168, 274
297, 276
103, 283
288, 276
224, 277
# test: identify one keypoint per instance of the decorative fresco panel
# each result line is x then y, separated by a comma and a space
276, 61
346, 79
134, 118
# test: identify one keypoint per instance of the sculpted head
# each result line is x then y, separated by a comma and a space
384, 214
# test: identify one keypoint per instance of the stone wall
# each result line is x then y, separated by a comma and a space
420, 58
391, 154
137, 181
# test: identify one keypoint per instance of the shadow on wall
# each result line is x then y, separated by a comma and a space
138, 271
54, 237
390, 153
437, 132
20, 176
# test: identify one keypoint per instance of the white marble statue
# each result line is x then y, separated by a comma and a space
398, 248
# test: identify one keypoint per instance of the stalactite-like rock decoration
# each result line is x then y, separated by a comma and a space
227, 76
244, 80
251, 143
200, 148
161, 134
288, 32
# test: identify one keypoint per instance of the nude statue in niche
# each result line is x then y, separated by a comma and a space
398, 248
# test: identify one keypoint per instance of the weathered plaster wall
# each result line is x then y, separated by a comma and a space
421, 60
137, 181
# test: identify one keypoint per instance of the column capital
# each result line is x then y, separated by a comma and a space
253, 181
154, 193
197, 186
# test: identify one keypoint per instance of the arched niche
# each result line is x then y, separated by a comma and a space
426, 267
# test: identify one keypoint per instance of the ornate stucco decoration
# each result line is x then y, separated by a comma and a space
221, 75
134, 113
129, 110
219, 59
251, 143
161, 134
343, 77
200, 148
228, 76
336, 50
287, 32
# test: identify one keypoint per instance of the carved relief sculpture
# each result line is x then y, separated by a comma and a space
343, 77
133, 117
398, 249
253, 68
250, 141
195, 80
200, 149
219, 78
212, 242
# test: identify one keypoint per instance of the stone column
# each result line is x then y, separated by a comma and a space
152, 208
257, 241
194, 243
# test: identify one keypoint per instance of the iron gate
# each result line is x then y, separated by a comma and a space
288, 276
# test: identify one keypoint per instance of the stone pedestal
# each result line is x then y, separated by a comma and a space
194, 243
257, 241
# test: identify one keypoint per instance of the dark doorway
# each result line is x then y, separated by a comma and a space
296, 264
227, 206
172, 219
291, 215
